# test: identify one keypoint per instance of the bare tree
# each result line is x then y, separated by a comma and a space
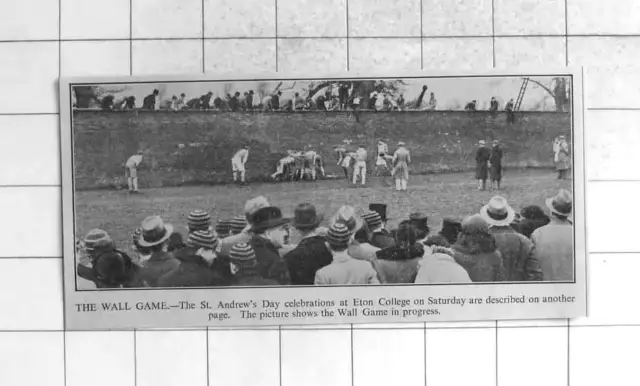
560, 92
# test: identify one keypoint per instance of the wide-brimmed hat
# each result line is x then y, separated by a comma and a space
347, 215
498, 212
154, 231
98, 239
305, 216
381, 209
419, 220
561, 204
268, 218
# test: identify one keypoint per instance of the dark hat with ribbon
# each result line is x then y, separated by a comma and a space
450, 229
306, 217
419, 220
154, 231
381, 209
268, 218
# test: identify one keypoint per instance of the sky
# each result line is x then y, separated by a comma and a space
449, 92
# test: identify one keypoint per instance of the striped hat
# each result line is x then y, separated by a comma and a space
373, 219
198, 220
223, 226
338, 236
243, 255
238, 223
202, 239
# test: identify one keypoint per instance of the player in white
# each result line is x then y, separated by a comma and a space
381, 159
288, 160
237, 164
360, 167
310, 162
131, 171
320, 164
401, 161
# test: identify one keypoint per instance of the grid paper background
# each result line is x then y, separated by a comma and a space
41, 39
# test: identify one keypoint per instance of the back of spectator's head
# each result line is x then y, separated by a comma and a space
253, 205
372, 219
198, 220
347, 216
363, 235
98, 241
242, 256
406, 235
176, 242
533, 212
223, 227
113, 268
202, 239
338, 237
437, 240
238, 224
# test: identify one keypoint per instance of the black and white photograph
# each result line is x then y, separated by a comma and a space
420, 193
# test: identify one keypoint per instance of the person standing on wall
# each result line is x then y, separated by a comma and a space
238, 164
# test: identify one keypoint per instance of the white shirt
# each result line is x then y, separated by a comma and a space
361, 155
383, 148
241, 155
402, 155
134, 161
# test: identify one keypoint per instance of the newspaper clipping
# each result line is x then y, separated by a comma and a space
350, 198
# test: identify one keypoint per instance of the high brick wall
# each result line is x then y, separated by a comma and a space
440, 141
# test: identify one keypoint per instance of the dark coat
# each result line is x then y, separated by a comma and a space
193, 271
249, 277
270, 264
496, 163
396, 265
517, 253
526, 226
482, 157
306, 259
382, 239
158, 265
481, 266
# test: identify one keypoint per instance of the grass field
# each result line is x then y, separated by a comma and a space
438, 195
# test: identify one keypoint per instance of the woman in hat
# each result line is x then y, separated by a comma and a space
438, 265
155, 237
399, 263
115, 269
269, 232
311, 253
476, 251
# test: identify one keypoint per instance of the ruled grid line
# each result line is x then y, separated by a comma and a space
425, 328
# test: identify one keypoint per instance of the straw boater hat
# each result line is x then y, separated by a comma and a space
347, 215
154, 231
560, 204
306, 217
498, 212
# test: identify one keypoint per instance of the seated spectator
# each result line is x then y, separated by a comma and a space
399, 263
476, 251
344, 270
554, 241
312, 252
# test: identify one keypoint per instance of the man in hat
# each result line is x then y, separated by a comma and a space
554, 241
450, 229
517, 251
419, 221
94, 244
360, 167
198, 220
482, 168
344, 270
380, 236
244, 267
131, 171
270, 232
495, 164
401, 161
311, 253
155, 237
238, 164
250, 208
